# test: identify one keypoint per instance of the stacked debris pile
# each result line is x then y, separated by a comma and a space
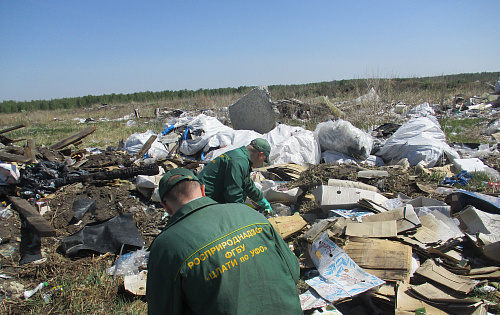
392, 219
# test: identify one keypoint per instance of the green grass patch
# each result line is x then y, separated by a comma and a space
462, 130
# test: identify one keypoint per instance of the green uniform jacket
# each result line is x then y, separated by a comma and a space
221, 259
227, 178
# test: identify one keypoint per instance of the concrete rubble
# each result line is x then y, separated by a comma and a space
339, 194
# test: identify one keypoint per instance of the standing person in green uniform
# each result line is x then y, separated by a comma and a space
217, 258
227, 177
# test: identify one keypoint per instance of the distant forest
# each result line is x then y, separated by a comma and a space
330, 89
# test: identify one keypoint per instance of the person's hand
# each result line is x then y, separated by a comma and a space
265, 205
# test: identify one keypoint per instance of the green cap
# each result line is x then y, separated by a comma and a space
262, 146
164, 186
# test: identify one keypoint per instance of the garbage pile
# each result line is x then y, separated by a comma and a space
372, 233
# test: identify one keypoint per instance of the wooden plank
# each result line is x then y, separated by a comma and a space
73, 138
30, 151
4, 156
11, 128
48, 154
146, 146
32, 216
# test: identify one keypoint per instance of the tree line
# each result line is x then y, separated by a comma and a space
322, 88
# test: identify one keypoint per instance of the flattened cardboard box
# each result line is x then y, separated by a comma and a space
334, 197
406, 218
439, 274
387, 260
286, 226
372, 229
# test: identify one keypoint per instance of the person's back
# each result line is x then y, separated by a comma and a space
220, 259
227, 176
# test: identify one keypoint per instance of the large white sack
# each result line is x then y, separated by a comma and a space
210, 126
229, 140
288, 144
293, 145
419, 139
135, 142
343, 137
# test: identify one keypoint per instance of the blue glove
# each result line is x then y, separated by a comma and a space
266, 205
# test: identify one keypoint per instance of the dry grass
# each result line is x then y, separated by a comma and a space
82, 287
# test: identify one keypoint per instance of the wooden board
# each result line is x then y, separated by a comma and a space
32, 216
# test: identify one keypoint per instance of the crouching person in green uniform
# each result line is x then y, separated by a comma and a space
217, 258
227, 177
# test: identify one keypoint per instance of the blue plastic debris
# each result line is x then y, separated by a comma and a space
461, 178
186, 132
167, 130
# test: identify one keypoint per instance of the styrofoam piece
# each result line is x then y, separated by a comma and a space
470, 165
335, 197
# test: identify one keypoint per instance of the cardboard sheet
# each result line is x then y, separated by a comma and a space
406, 218
372, 229
286, 226
439, 274
334, 197
310, 299
430, 292
484, 229
434, 230
388, 260
372, 206
406, 303
480, 221
340, 277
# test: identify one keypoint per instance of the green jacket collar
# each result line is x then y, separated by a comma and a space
247, 154
188, 208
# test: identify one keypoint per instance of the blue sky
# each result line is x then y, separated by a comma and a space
53, 49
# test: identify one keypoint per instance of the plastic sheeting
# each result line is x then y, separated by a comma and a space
419, 139
137, 140
104, 237
422, 110
333, 157
343, 137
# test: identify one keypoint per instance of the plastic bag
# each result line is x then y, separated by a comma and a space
136, 141
343, 137
130, 263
